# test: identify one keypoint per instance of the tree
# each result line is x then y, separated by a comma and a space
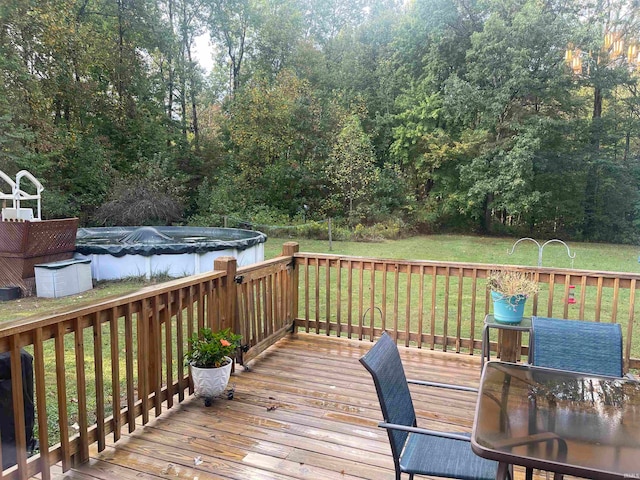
351, 166
230, 24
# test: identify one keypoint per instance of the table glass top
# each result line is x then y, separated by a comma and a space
589, 423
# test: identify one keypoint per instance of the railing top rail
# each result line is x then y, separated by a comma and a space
30, 323
261, 265
482, 266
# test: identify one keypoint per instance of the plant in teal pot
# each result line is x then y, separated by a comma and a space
509, 291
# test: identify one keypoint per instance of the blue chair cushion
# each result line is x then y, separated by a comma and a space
579, 346
444, 457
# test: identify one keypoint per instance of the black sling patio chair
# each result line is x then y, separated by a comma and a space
417, 450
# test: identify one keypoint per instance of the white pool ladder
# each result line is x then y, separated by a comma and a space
17, 195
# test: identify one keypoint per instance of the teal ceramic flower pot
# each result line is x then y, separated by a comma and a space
508, 309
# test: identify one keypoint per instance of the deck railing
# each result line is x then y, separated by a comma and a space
443, 304
100, 368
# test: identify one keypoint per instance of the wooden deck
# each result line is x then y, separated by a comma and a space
307, 409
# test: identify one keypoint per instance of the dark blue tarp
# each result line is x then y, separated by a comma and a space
147, 241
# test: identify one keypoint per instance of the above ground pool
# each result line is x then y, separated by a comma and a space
121, 252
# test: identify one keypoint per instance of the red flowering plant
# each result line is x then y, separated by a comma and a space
211, 350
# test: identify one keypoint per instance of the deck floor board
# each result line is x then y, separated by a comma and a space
306, 409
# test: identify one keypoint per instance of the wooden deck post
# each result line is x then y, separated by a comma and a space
289, 249
229, 297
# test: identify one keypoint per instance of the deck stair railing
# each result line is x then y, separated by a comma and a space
105, 369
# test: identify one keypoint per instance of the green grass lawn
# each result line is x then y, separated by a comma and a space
34, 306
462, 248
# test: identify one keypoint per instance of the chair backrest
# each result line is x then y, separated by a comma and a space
586, 347
384, 364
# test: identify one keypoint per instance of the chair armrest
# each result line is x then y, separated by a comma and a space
443, 385
424, 431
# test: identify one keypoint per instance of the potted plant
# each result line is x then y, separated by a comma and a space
509, 291
209, 359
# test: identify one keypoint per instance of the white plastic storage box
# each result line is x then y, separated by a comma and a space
66, 277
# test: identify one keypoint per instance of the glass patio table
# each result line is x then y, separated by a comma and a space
558, 421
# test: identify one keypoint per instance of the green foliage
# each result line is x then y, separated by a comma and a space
351, 166
208, 349
390, 230
444, 115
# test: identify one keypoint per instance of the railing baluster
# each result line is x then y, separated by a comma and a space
583, 295
99, 381
168, 348
41, 404
317, 294
407, 309
306, 297
338, 297
350, 299
445, 333
327, 297
18, 406
180, 341
360, 300
249, 293
599, 299
81, 392
614, 301
201, 316
115, 372
372, 301
420, 306
61, 387
459, 310
536, 297
129, 353
472, 327
261, 324
143, 359
630, 320
434, 292
384, 296
396, 300
552, 283
565, 296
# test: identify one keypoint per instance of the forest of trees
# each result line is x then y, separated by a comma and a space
437, 115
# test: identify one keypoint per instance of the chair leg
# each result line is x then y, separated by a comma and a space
503, 471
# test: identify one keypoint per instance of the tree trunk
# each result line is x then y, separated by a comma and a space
170, 86
194, 110
487, 219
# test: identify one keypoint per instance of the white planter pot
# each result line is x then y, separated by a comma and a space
210, 382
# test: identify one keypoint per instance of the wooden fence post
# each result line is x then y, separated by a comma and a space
229, 297
289, 249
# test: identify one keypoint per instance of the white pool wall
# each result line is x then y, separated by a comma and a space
108, 267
